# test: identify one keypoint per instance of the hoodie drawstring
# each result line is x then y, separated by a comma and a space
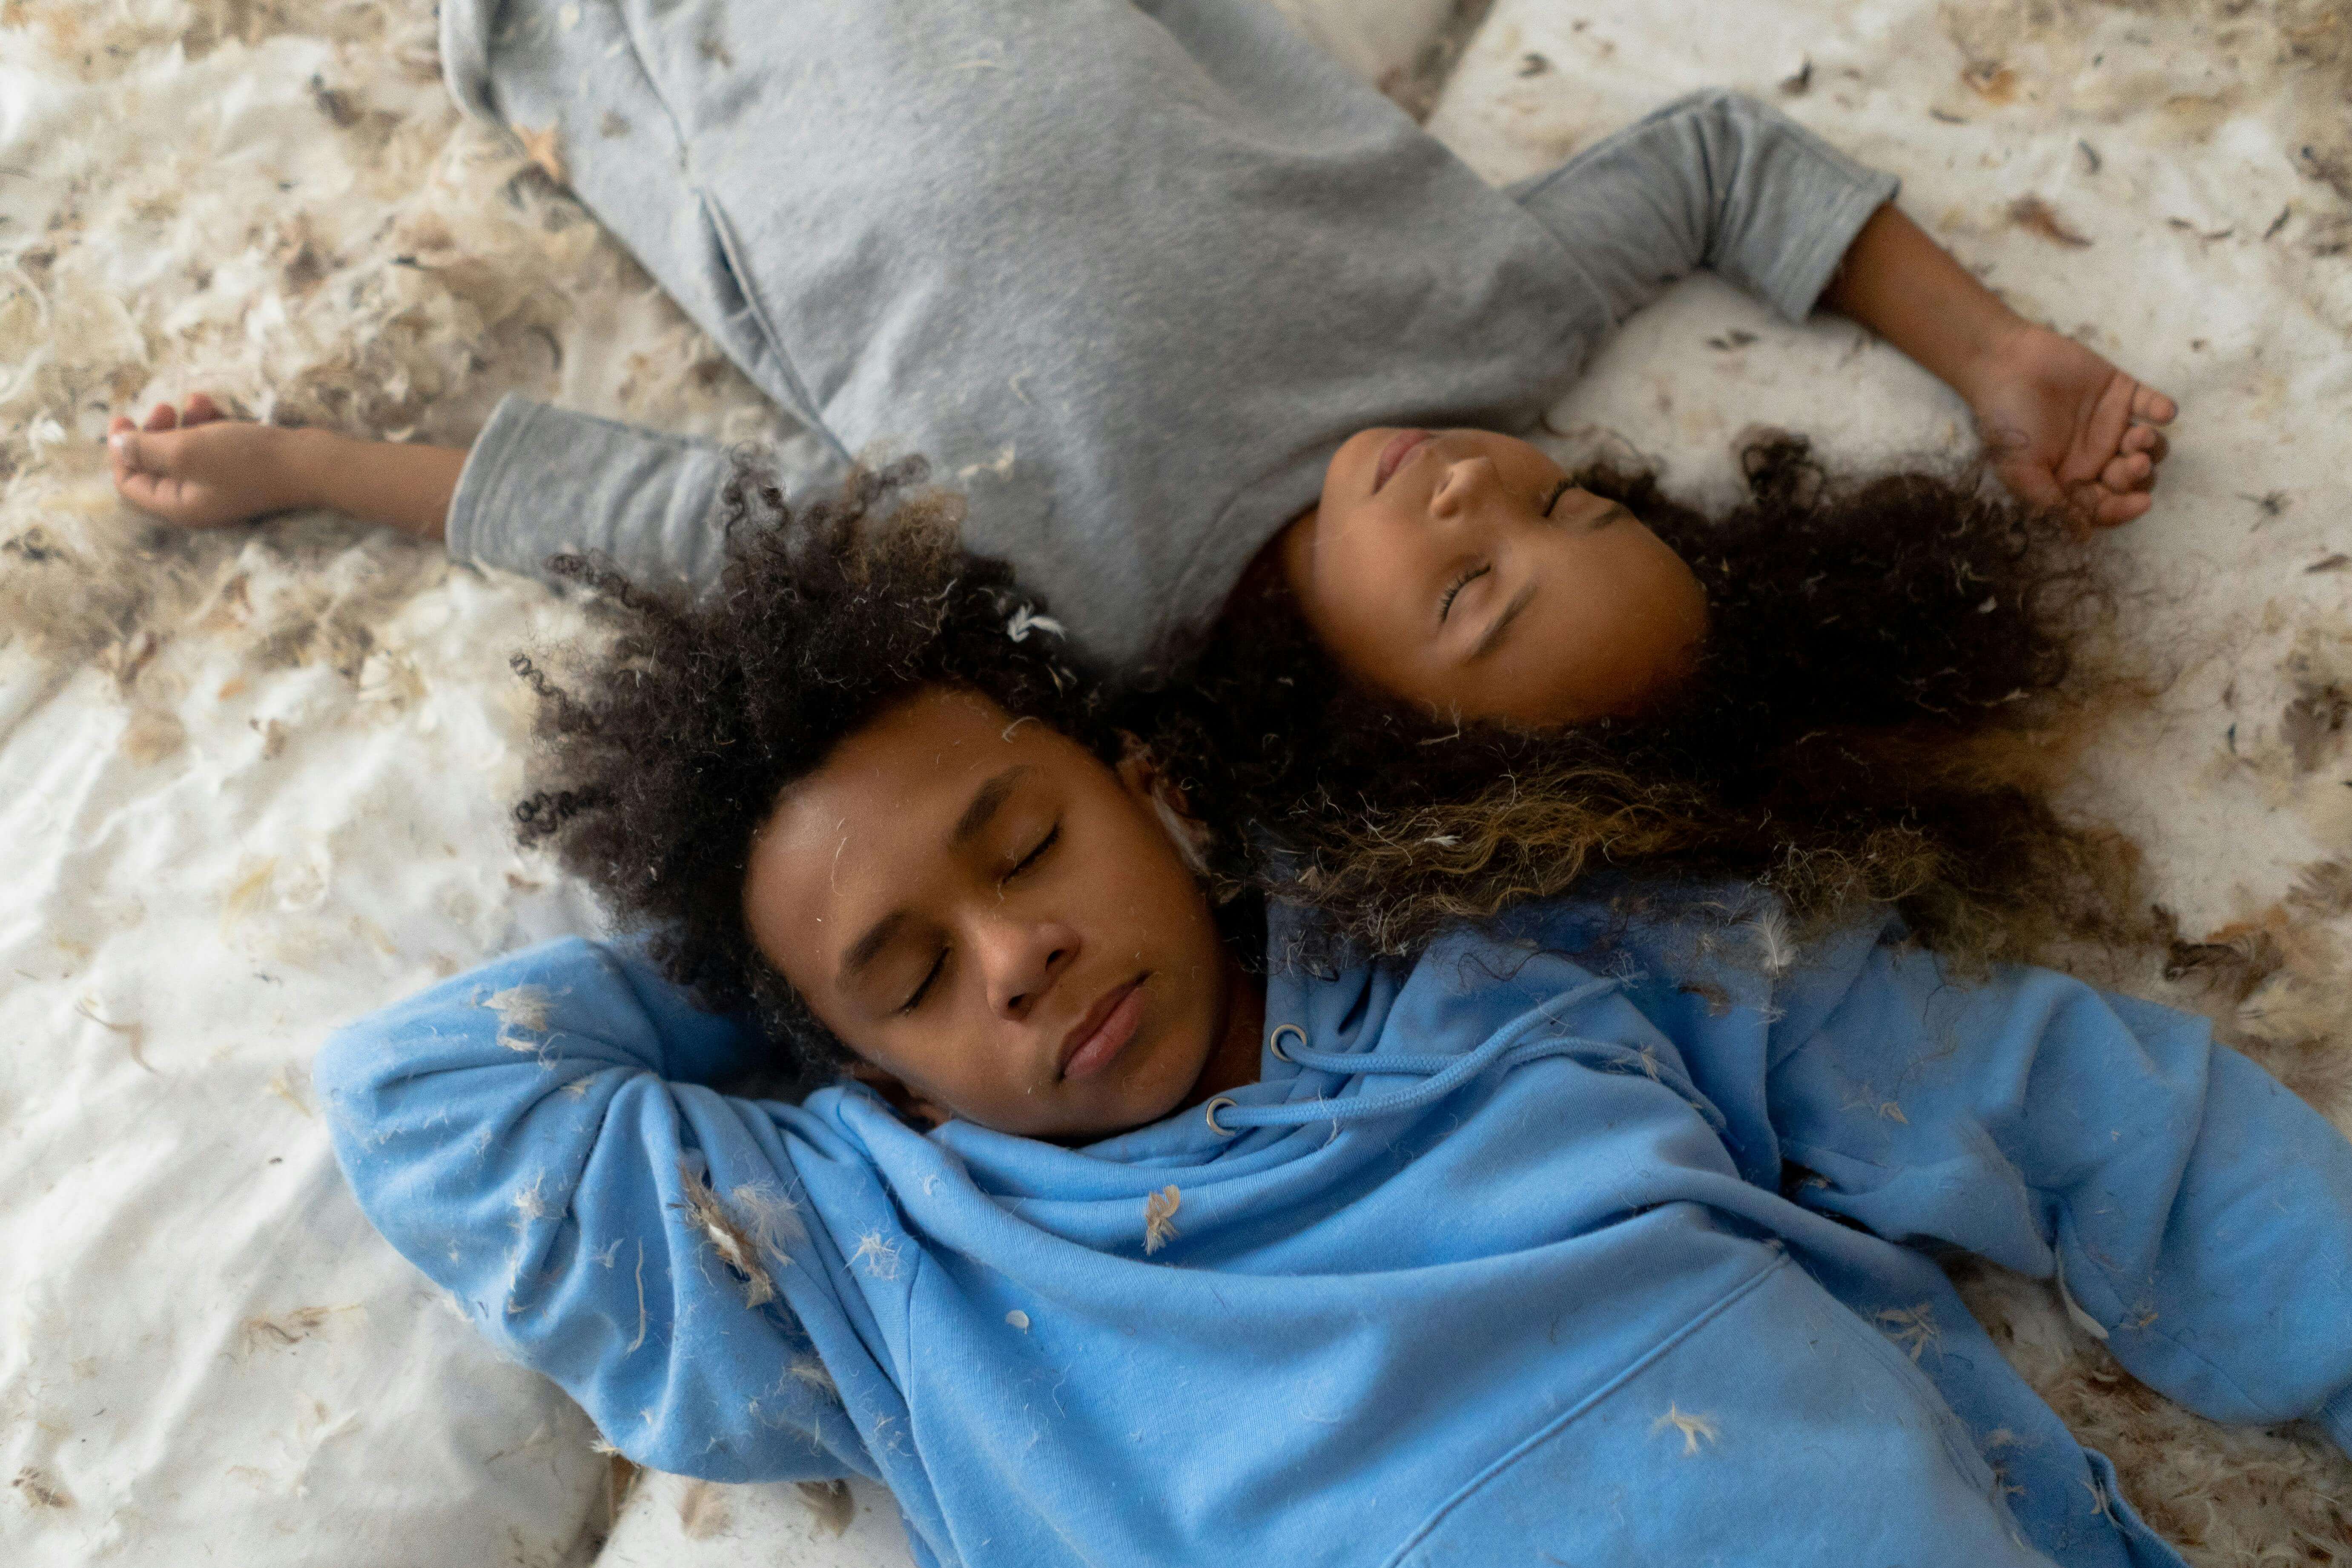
1440, 1075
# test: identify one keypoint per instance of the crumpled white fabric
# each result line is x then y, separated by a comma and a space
252, 785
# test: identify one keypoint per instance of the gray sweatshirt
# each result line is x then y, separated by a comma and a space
1126, 273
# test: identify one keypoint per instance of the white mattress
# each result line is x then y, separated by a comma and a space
253, 784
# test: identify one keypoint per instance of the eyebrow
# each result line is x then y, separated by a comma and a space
986, 801
1499, 625
854, 962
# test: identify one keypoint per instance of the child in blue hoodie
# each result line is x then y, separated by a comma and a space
1113, 1239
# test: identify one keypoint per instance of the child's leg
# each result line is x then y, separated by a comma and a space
570, 83
892, 214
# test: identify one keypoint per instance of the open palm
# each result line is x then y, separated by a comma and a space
2067, 430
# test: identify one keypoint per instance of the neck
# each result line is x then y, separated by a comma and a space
1233, 1060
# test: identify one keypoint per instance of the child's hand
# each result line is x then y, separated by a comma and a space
2067, 430
200, 470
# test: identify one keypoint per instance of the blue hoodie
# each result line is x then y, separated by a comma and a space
1506, 1258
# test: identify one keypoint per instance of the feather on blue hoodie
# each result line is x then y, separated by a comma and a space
1504, 1260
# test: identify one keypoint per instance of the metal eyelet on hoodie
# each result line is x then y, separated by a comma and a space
1524, 1040
1275, 1045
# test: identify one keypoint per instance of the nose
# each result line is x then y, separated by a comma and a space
1021, 960
1461, 484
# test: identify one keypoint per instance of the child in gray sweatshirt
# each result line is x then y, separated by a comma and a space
1165, 292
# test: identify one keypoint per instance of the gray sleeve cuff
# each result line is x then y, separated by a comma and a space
472, 529
544, 481
1789, 257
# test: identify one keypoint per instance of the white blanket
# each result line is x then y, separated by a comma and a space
252, 785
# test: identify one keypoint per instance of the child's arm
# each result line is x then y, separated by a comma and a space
1720, 181
537, 482
2065, 429
531, 1136
200, 470
2198, 1210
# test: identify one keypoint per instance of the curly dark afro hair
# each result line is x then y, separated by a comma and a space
1887, 696
658, 766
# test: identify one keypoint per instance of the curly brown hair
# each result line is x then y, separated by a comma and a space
659, 765
1891, 685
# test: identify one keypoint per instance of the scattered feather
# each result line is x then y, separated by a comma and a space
134, 1034
637, 1343
736, 1246
543, 147
2037, 217
1776, 951
1913, 1328
2322, 887
286, 1084
877, 1254
1160, 1217
832, 1503
701, 1510
522, 1008
1025, 620
290, 1328
2310, 723
1692, 1428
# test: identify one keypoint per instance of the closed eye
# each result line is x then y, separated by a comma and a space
1446, 605
914, 1000
1552, 499
1030, 860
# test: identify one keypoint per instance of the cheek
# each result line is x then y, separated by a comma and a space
1355, 597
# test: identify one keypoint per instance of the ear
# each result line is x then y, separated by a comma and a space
1139, 774
902, 1099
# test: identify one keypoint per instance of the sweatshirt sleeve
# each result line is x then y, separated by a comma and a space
542, 481
2190, 1203
531, 1137
1713, 180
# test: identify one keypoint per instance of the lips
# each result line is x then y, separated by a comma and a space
1393, 454
1104, 1032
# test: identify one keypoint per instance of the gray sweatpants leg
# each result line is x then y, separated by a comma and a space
587, 75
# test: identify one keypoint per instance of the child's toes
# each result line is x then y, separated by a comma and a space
2129, 472
200, 410
163, 416
2149, 403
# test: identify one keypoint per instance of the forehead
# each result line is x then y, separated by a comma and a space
870, 828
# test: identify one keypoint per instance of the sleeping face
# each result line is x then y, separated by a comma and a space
1000, 925
1460, 570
